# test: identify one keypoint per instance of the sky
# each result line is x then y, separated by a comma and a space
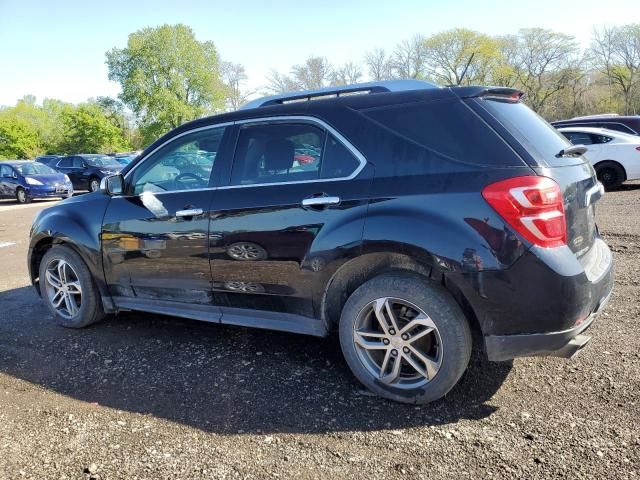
56, 48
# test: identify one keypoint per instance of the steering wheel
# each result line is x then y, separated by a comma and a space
199, 181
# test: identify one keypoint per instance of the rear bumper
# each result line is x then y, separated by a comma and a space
565, 343
542, 304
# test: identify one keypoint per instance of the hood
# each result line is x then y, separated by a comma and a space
48, 178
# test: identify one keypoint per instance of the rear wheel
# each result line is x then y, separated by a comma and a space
68, 289
405, 338
610, 174
21, 196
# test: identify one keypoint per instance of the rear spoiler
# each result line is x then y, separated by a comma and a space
504, 94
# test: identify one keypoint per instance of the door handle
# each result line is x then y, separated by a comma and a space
320, 201
192, 212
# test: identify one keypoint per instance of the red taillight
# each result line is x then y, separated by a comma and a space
638, 148
532, 206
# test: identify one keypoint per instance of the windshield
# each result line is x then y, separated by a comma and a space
34, 168
105, 161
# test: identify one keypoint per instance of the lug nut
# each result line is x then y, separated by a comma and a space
392, 331
405, 349
385, 341
394, 352
405, 336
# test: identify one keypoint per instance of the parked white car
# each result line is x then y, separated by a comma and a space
614, 155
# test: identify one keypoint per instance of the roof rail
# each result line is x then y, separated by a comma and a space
369, 87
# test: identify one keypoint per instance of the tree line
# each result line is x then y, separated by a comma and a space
168, 77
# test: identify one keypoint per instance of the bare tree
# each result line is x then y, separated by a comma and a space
349, 73
280, 83
234, 77
544, 62
315, 72
407, 59
615, 51
378, 64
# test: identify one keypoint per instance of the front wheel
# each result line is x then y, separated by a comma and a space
94, 185
21, 196
405, 338
67, 287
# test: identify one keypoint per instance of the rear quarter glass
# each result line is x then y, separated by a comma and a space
526, 131
449, 129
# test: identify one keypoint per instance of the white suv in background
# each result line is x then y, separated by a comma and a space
614, 155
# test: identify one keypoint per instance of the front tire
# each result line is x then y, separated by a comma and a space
405, 338
21, 196
67, 287
94, 184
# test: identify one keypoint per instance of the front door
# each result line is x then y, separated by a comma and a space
154, 238
291, 210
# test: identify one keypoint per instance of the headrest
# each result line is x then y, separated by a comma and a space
278, 154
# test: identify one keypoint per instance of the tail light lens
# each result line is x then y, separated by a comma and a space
532, 206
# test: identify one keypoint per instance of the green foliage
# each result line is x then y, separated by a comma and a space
167, 77
18, 138
88, 130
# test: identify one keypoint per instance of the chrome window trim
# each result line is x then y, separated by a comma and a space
258, 120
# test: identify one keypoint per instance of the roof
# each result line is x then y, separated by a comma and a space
15, 162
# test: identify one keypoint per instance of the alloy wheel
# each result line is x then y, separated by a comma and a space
94, 185
22, 196
398, 343
63, 288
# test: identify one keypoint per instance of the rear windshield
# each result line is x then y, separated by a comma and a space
105, 161
540, 139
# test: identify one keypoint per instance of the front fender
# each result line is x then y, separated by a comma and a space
77, 223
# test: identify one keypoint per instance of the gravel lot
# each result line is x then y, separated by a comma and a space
144, 396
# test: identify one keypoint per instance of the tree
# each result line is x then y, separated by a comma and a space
167, 77
347, 74
18, 138
544, 62
88, 130
234, 77
615, 51
461, 56
407, 59
378, 64
314, 73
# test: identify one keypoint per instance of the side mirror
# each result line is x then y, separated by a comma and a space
112, 185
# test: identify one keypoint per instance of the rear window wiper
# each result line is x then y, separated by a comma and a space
572, 151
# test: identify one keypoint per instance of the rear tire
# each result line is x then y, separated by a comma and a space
610, 174
21, 196
68, 289
439, 342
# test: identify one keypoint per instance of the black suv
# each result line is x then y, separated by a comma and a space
402, 215
87, 170
625, 124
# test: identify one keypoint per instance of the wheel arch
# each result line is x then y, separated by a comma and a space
360, 269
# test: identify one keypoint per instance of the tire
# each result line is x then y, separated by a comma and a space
610, 174
94, 184
21, 196
448, 346
87, 303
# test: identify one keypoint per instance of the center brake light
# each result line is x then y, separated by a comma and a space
533, 206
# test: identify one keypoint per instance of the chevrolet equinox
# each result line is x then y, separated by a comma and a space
401, 215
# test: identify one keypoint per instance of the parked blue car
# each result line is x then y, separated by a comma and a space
25, 180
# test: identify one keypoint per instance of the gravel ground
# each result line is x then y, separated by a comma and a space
149, 397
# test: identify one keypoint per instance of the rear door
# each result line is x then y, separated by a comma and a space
295, 203
72, 167
540, 144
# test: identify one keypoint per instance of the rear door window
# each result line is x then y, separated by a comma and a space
65, 162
